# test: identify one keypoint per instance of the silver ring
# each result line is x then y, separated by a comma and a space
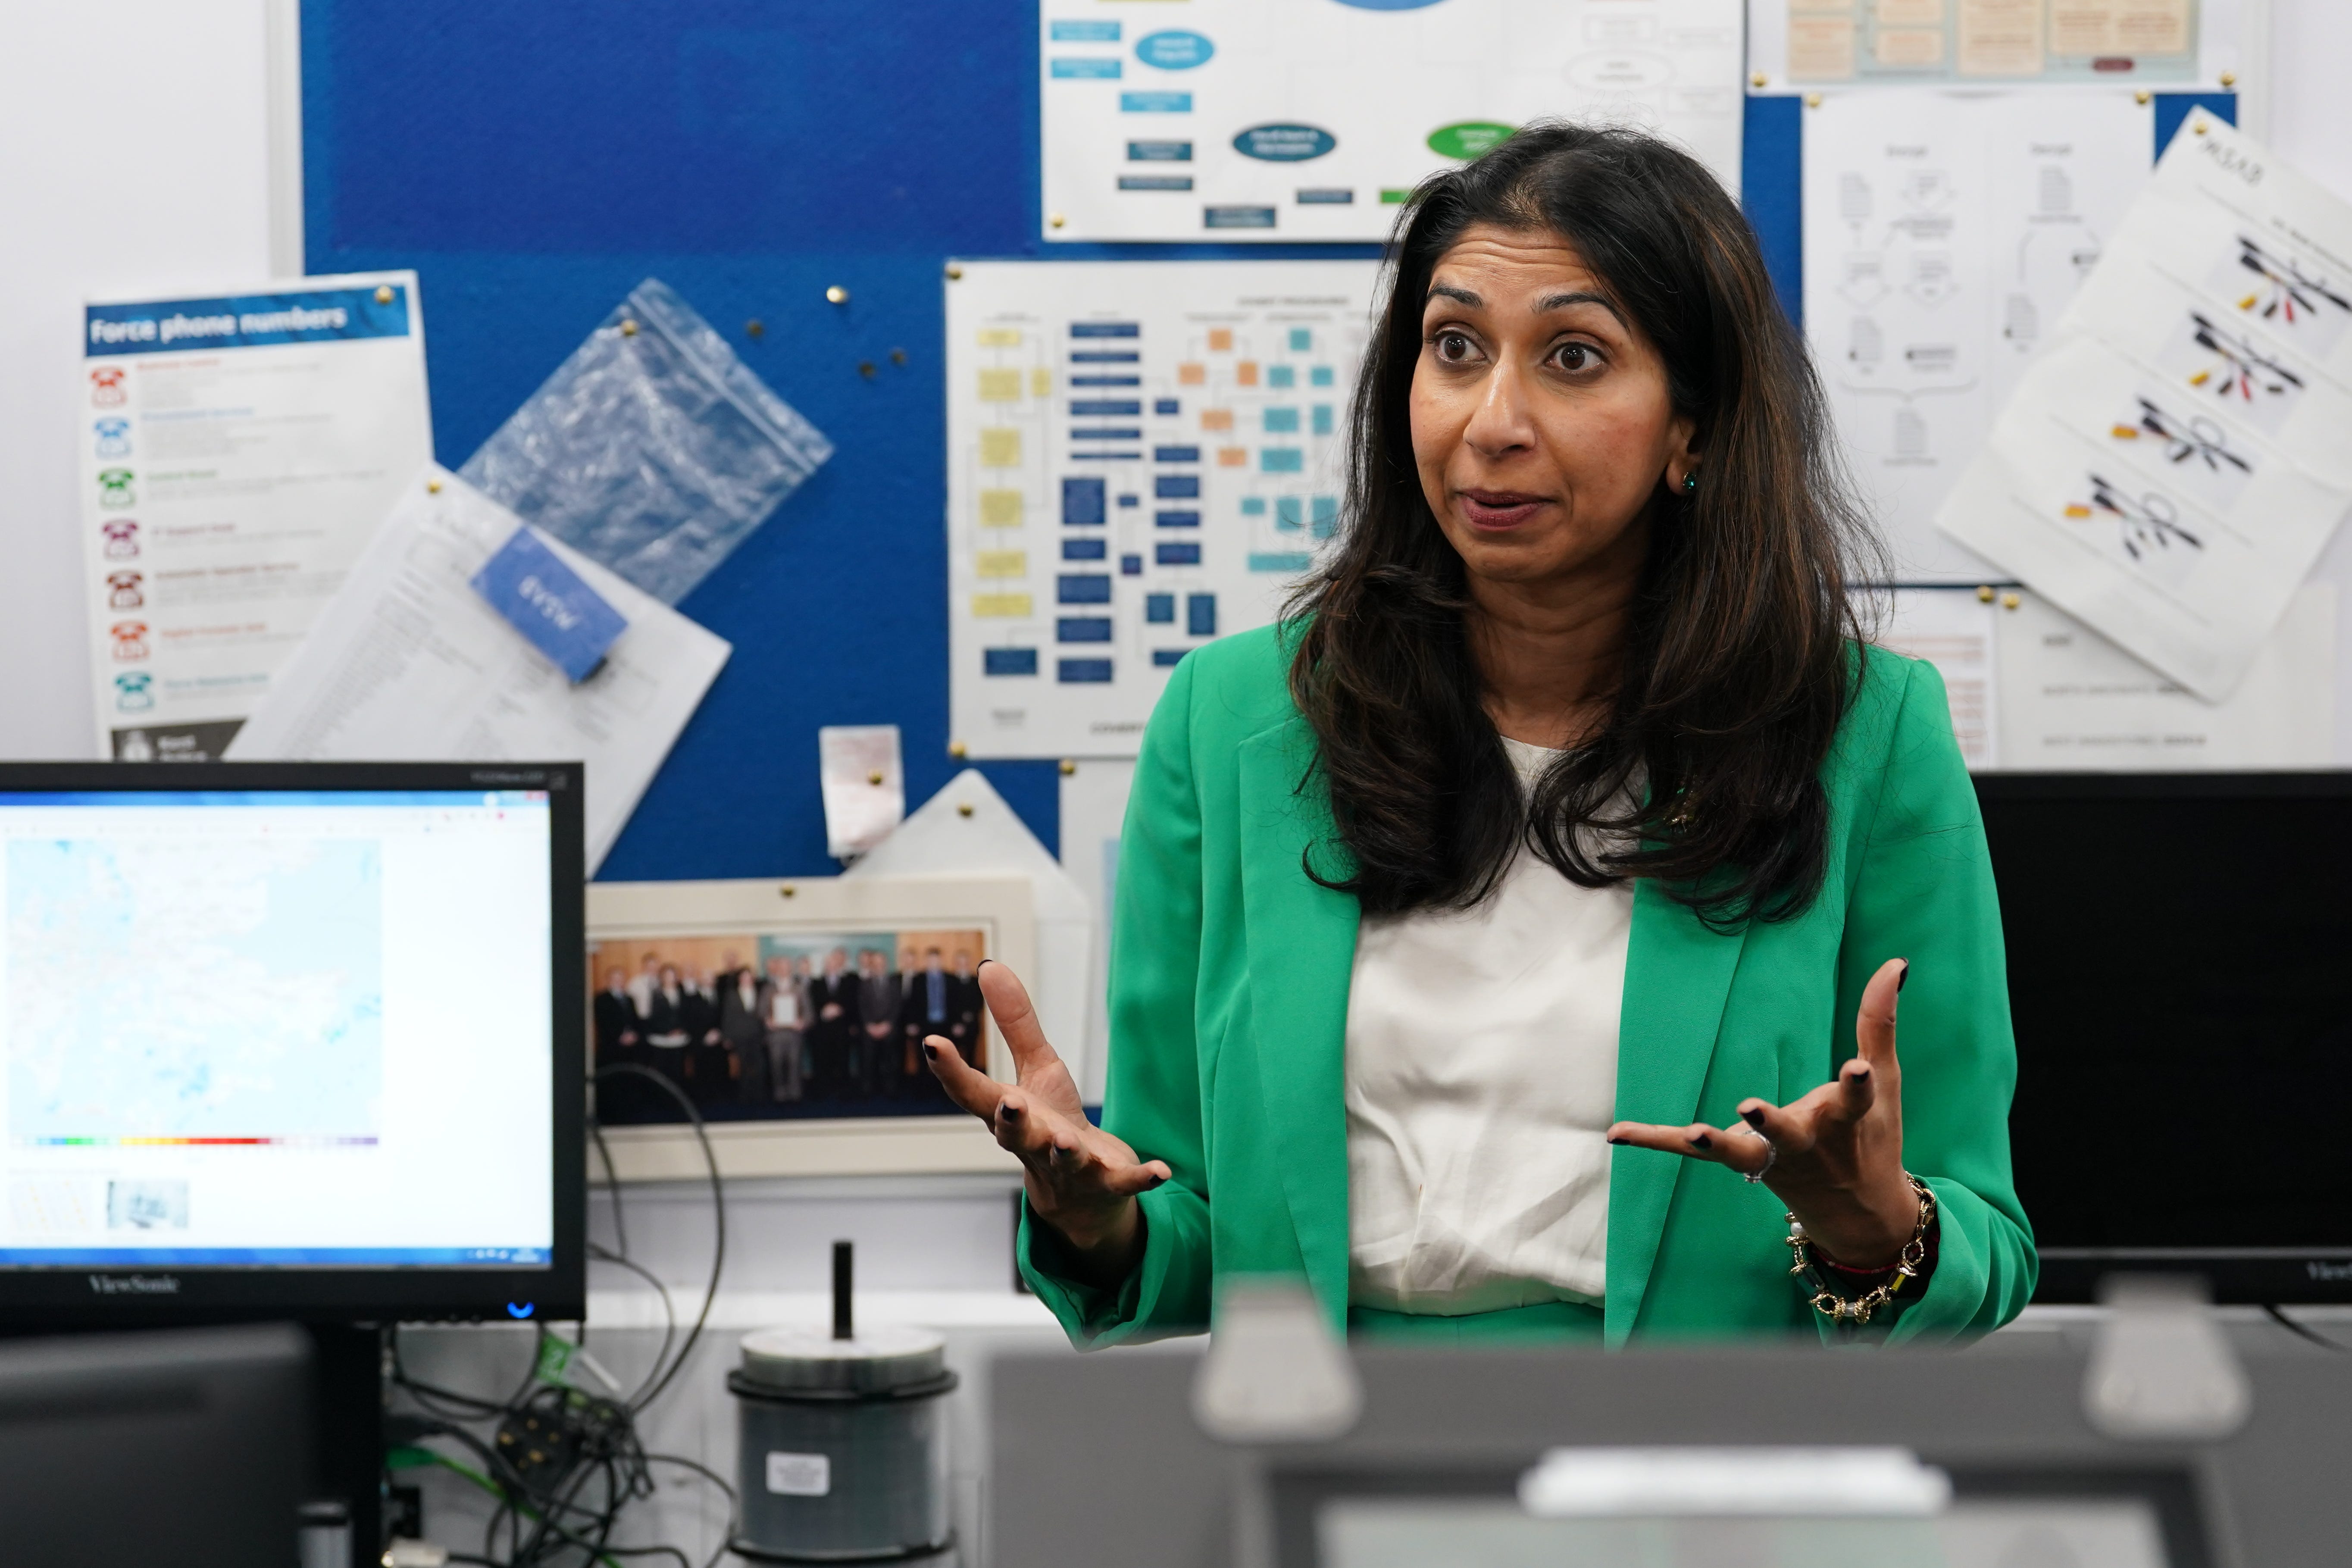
1770, 1154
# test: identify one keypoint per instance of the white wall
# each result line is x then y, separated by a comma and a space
133, 154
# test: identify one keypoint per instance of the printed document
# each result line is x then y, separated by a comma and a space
408, 663
237, 452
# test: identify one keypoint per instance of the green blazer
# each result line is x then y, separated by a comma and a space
1229, 1001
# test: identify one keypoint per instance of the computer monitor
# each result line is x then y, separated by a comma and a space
291, 1040
189, 1447
2180, 980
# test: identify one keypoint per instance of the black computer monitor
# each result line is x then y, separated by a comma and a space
291, 1040
187, 1447
2180, 977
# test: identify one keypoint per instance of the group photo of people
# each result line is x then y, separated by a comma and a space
783, 1025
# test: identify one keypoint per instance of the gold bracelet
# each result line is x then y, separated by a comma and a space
1836, 1308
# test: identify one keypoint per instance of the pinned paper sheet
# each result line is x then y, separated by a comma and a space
864, 784
408, 663
968, 829
1953, 629
2072, 701
2171, 469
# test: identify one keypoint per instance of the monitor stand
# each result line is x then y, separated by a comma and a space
349, 1452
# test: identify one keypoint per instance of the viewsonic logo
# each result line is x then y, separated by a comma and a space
134, 1284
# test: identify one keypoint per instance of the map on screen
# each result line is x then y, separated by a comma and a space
170, 990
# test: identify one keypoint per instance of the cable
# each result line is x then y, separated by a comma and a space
2303, 1330
669, 1309
581, 1461
718, 1216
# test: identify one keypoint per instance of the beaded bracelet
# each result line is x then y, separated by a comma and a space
1836, 1308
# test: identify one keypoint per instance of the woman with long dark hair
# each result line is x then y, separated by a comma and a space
1565, 839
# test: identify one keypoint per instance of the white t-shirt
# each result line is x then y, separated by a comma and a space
1481, 1081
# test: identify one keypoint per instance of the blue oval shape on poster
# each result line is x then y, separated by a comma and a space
1175, 50
1284, 144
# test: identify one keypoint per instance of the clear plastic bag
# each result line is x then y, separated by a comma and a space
653, 449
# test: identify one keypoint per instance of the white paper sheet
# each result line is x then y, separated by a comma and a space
2175, 463
408, 663
863, 779
1093, 811
1239, 120
1945, 234
1141, 456
237, 452
1953, 629
2072, 701
968, 829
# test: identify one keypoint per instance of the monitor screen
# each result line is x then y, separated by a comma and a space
295, 1042
2180, 980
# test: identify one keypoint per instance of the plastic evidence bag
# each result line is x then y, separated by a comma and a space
653, 450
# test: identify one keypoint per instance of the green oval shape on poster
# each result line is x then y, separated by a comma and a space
1468, 139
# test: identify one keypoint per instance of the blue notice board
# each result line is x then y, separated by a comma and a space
534, 162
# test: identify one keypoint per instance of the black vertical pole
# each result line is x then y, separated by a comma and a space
844, 1261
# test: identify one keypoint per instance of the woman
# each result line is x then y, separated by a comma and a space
1555, 832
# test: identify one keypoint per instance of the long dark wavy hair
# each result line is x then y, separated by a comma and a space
1705, 776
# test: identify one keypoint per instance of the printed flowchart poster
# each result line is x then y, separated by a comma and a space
1142, 456
1945, 235
1245, 119
2171, 43
2169, 470
237, 452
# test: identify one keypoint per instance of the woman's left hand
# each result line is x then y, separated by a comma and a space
1836, 1156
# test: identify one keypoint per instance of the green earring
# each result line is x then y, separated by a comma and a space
1690, 482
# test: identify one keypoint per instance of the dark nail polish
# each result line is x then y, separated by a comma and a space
1617, 1141
1011, 1113
1702, 1142
983, 963
1753, 1116
1902, 979
930, 1050
1859, 1075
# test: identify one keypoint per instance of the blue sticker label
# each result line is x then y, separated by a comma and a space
1237, 217
563, 616
1174, 50
1284, 144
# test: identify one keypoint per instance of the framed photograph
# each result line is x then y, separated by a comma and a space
790, 1012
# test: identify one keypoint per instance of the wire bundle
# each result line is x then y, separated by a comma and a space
564, 1464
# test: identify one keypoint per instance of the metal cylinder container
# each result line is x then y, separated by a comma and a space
843, 1452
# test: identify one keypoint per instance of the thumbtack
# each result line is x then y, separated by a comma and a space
1068, 767
433, 486
1759, 80
628, 328
2229, 78
1055, 219
1984, 596
384, 293
866, 368
755, 328
2142, 96
956, 748
963, 808
898, 356
787, 891
875, 777
837, 295
2199, 128
1812, 100
2009, 601
954, 272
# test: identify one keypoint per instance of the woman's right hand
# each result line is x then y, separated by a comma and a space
1080, 1180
